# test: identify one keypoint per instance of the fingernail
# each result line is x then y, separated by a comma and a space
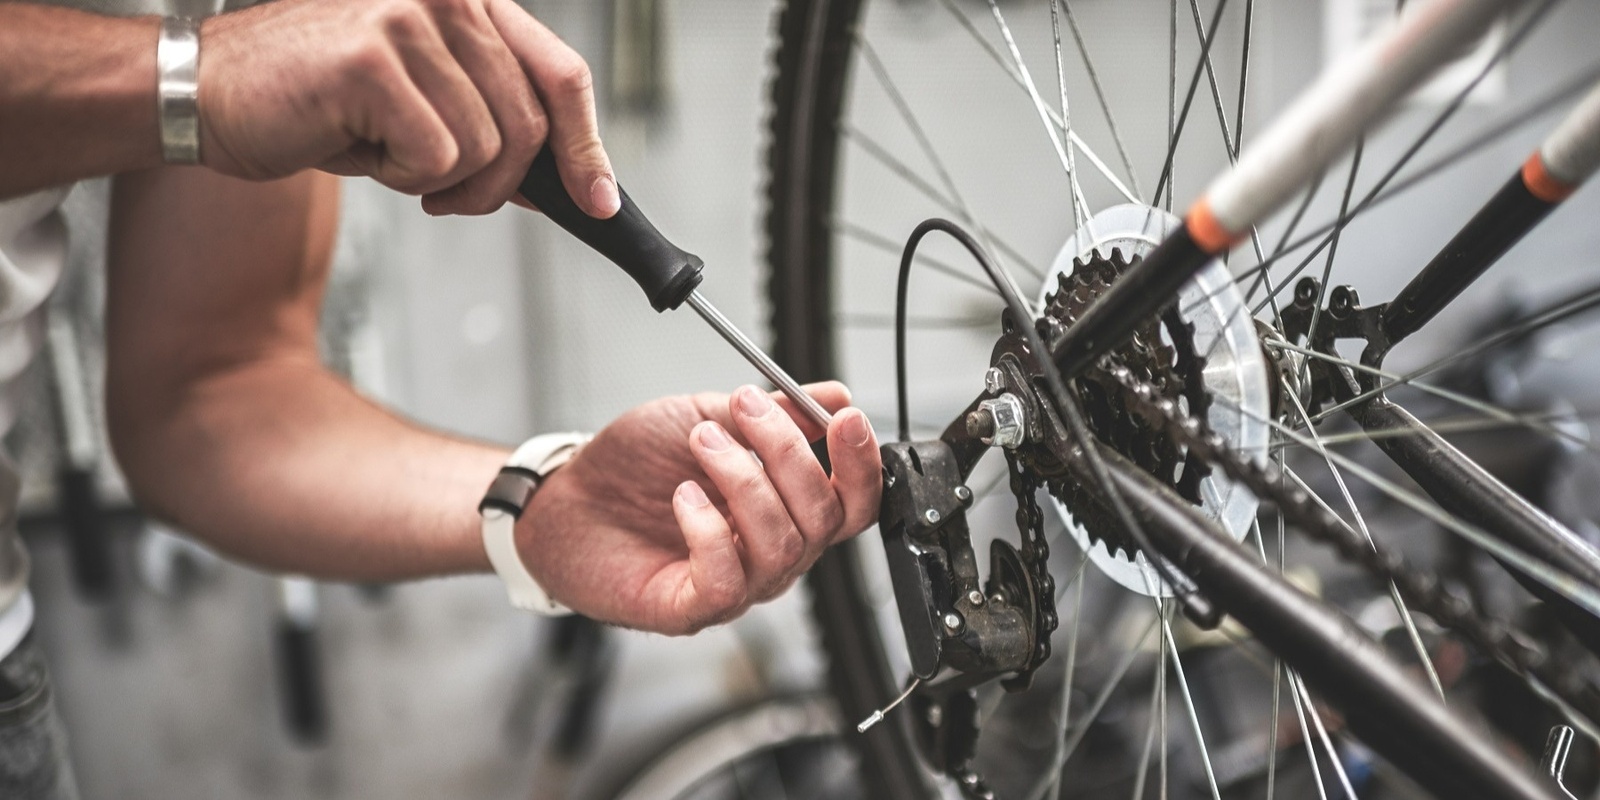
713, 437
754, 402
603, 194
855, 429
693, 494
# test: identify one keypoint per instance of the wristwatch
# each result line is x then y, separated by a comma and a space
503, 504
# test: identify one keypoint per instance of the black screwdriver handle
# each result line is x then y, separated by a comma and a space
667, 273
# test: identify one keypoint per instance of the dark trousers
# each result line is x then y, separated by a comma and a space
34, 764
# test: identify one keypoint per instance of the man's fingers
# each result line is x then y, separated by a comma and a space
773, 547
831, 395
403, 143
517, 115
565, 87
716, 587
442, 80
857, 471
801, 483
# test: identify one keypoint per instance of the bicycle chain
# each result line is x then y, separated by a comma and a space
1424, 592
1036, 555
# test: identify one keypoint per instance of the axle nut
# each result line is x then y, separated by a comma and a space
1000, 421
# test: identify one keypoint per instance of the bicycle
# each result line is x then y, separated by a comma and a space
1159, 424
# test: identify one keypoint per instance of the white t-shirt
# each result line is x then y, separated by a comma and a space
33, 253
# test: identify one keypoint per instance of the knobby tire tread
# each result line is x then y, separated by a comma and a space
811, 65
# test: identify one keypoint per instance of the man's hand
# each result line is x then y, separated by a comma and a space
668, 522
448, 99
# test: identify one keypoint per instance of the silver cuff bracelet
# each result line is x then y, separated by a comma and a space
178, 89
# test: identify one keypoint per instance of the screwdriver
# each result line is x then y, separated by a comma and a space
669, 275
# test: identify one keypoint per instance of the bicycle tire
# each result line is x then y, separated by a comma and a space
768, 728
806, 92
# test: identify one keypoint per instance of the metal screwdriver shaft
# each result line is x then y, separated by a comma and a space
668, 274
759, 359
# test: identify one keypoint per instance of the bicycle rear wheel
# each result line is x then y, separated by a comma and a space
842, 69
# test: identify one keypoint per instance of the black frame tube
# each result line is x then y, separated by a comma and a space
1388, 709
1500, 224
1139, 294
1466, 490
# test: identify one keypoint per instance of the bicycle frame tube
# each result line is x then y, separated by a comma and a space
1466, 490
1550, 175
1346, 100
1383, 705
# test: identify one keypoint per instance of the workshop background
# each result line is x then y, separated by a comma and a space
168, 660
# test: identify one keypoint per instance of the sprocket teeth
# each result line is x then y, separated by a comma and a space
1160, 354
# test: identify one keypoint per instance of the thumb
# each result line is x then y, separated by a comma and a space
565, 87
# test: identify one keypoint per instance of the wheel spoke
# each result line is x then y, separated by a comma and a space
1277, 663
886, 81
885, 321
1346, 216
888, 245
1244, 74
1149, 738
1039, 106
1194, 716
1394, 592
1333, 244
1361, 523
1188, 101
1298, 686
1305, 736
1161, 672
1106, 691
1277, 674
1082, 146
1079, 204
1228, 143
903, 171
1100, 95
1172, 105
1572, 307
1509, 122
1556, 579
1083, 565
1533, 422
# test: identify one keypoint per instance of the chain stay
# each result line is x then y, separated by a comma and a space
1420, 589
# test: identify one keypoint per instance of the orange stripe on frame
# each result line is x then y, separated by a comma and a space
1206, 231
1541, 183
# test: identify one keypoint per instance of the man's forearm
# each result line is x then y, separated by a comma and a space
282, 465
222, 416
77, 96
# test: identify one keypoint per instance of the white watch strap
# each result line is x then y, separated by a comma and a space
503, 505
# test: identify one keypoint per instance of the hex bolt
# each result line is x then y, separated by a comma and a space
997, 599
953, 623
993, 380
935, 715
963, 494
932, 516
975, 597
1003, 417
